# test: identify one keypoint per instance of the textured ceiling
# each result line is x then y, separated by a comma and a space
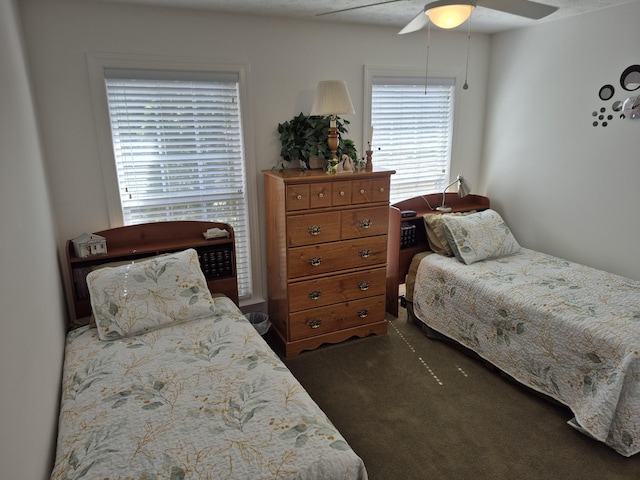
396, 14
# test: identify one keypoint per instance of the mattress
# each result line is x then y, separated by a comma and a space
566, 330
203, 399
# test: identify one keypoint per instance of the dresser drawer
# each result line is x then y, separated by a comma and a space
313, 228
370, 190
341, 193
297, 197
336, 289
309, 323
360, 191
335, 256
380, 189
364, 222
320, 195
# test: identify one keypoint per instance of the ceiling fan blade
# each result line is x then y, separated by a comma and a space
523, 8
416, 24
356, 8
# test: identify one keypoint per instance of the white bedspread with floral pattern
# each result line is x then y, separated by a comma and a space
566, 330
206, 399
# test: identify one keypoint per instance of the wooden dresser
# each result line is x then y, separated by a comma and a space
327, 253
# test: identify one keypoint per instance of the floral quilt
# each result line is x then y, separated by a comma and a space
205, 399
564, 329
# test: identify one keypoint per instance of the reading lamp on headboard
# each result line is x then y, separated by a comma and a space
464, 189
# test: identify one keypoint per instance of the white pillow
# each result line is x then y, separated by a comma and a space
138, 297
479, 236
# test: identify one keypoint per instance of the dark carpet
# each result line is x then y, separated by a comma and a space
416, 408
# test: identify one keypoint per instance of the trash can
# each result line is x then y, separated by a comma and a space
260, 321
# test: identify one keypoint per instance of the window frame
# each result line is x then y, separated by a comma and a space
404, 72
99, 62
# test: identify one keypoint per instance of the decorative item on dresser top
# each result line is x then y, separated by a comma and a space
332, 99
127, 244
327, 252
304, 141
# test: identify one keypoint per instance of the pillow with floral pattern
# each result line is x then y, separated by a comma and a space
138, 297
479, 236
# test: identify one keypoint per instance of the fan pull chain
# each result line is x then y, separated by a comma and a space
426, 73
466, 72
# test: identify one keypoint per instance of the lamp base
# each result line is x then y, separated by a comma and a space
333, 141
444, 209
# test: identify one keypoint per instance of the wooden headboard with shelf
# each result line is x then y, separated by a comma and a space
399, 254
217, 257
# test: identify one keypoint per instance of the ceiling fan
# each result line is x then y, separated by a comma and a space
451, 13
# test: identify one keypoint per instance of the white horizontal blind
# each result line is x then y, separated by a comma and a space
178, 146
413, 133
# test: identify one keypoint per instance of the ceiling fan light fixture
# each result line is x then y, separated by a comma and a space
449, 16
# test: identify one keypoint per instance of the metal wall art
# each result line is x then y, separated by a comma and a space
628, 107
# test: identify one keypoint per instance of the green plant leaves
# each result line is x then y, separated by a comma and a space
304, 136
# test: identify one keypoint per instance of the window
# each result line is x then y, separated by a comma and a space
412, 131
179, 151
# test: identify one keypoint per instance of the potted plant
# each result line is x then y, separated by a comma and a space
304, 137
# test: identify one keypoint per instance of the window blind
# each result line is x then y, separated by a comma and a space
413, 133
178, 147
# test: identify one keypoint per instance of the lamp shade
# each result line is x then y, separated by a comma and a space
449, 16
464, 187
332, 98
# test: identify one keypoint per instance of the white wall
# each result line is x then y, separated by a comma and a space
287, 58
565, 187
32, 323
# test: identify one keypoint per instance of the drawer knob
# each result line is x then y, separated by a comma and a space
315, 295
363, 313
315, 323
362, 191
321, 195
364, 286
364, 253
298, 197
365, 223
342, 193
381, 189
314, 229
315, 261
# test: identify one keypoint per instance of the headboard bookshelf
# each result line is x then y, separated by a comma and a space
399, 252
217, 257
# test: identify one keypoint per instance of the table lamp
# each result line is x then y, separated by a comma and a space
332, 99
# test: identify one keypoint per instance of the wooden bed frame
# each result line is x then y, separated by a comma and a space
139, 241
399, 258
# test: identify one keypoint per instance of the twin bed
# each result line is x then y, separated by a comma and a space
172, 382
565, 330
